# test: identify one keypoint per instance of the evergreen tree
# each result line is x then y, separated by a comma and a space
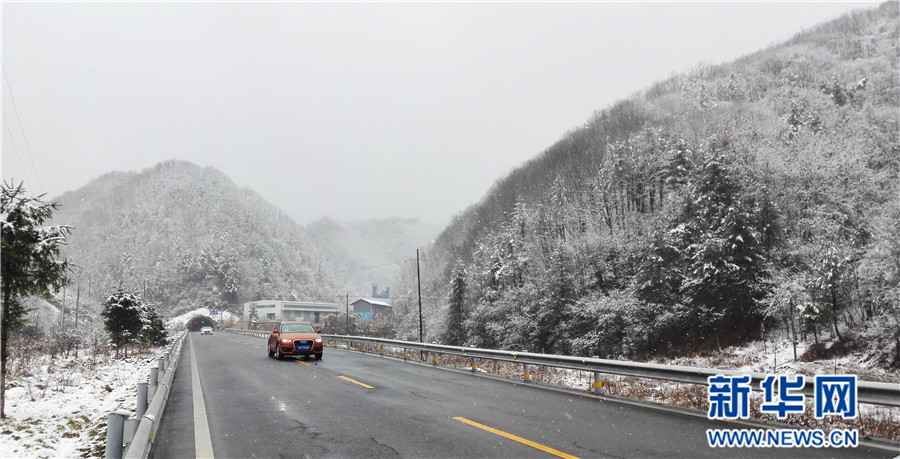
122, 314
153, 331
455, 333
725, 266
829, 288
709, 259
553, 311
660, 275
29, 262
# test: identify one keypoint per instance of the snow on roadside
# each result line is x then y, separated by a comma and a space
59, 407
777, 357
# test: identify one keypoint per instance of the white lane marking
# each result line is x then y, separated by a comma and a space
202, 442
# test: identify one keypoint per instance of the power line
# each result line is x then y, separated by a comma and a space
15, 148
21, 129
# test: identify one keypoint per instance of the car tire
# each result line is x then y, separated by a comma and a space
318, 356
277, 352
269, 351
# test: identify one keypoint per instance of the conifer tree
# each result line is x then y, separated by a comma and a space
456, 333
122, 314
29, 261
153, 331
725, 263
550, 314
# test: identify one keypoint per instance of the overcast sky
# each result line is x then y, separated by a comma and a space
347, 110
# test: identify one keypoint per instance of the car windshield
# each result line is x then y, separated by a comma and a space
297, 328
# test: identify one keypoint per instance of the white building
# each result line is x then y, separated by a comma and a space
273, 310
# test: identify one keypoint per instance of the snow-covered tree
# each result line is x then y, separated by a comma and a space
725, 269
455, 333
830, 288
153, 331
29, 261
550, 313
122, 314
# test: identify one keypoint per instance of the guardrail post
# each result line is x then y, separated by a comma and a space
405, 355
154, 382
141, 404
115, 426
598, 383
434, 358
474, 365
526, 373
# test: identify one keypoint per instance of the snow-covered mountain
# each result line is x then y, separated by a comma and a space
699, 212
186, 237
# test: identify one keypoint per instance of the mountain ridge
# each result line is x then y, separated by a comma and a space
177, 225
613, 240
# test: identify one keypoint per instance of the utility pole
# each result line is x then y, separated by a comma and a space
77, 300
347, 329
62, 317
419, 281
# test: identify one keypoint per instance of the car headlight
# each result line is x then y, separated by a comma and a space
318, 340
285, 340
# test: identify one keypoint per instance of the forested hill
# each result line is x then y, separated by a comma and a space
743, 196
186, 237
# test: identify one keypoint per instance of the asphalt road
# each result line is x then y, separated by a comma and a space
259, 407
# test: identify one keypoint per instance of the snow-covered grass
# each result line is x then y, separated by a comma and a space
57, 407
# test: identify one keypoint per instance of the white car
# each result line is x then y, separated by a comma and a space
206, 331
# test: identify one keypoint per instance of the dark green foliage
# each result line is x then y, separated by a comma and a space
455, 334
153, 331
709, 258
122, 317
552, 310
30, 251
30, 264
726, 268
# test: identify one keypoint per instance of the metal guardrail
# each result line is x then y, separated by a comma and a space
257, 333
877, 393
137, 433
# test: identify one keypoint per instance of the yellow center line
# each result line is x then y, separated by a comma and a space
356, 382
300, 361
521, 440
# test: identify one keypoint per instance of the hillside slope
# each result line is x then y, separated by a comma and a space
186, 237
756, 194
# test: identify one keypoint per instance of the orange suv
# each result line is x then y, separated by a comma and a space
295, 338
